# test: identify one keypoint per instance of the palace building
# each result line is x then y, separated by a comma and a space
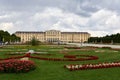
53, 36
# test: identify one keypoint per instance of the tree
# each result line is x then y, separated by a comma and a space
14, 38
34, 42
6, 37
114, 38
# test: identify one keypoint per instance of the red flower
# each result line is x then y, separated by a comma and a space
27, 55
92, 66
14, 65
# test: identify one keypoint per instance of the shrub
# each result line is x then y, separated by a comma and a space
16, 66
34, 42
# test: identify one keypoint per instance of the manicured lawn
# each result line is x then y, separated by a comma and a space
54, 70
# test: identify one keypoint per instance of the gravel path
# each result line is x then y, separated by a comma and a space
96, 45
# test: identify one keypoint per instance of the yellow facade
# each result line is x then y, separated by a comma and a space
53, 36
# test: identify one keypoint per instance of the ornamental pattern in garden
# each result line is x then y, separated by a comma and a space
66, 57
73, 67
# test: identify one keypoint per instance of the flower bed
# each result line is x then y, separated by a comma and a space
82, 48
86, 57
27, 54
72, 47
16, 66
116, 49
66, 57
69, 56
106, 47
92, 66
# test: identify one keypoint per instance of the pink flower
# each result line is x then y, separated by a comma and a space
14, 65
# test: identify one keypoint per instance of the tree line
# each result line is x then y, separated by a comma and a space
114, 38
5, 36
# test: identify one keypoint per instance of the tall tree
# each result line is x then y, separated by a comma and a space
114, 38
6, 37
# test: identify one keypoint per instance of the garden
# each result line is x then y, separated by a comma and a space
59, 62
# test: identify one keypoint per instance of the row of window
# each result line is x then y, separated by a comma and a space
54, 39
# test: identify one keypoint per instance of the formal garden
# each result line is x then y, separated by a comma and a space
58, 62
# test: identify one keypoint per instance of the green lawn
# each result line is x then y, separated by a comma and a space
54, 70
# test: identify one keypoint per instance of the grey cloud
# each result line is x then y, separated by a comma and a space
107, 4
69, 15
38, 5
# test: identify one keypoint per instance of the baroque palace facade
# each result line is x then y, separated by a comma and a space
53, 36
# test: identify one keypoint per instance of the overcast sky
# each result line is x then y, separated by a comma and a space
98, 17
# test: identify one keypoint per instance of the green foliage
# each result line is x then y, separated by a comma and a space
34, 42
114, 38
6, 37
14, 38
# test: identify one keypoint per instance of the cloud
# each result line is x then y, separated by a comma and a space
6, 26
112, 5
4, 16
98, 17
56, 18
104, 21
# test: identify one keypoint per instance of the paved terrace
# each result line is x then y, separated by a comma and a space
96, 45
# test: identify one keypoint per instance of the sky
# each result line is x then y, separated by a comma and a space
97, 17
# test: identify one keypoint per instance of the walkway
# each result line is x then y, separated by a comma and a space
96, 45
